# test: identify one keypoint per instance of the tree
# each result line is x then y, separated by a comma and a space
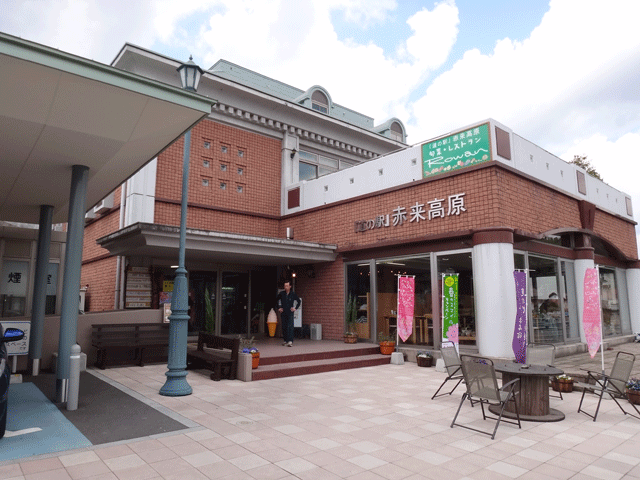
581, 161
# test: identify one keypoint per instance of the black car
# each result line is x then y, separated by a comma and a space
10, 335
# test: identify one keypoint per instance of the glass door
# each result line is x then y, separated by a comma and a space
234, 298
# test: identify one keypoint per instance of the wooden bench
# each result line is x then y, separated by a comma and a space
126, 343
219, 356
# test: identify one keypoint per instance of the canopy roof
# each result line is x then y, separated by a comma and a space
58, 110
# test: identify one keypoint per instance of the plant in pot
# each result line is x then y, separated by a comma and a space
209, 318
424, 359
350, 335
562, 383
387, 343
248, 346
633, 391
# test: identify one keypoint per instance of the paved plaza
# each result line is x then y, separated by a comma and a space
364, 424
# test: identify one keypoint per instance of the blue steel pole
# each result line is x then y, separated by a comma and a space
176, 384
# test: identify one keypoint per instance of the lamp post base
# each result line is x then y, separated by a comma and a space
176, 385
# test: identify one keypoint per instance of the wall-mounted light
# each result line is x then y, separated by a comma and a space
293, 153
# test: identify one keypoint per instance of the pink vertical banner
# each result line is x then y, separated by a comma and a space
519, 343
406, 300
591, 313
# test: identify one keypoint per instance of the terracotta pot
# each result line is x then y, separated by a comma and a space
424, 361
561, 385
387, 348
633, 396
255, 359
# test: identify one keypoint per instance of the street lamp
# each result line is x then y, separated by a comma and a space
176, 384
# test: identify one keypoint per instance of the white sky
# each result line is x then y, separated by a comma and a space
564, 74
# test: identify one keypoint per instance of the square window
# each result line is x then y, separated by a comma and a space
223, 167
205, 163
205, 182
224, 149
351, 180
240, 171
207, 145
380, 172
241, 153
240, 188
223, 186
414, 161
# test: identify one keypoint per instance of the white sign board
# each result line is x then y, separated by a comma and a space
21, 347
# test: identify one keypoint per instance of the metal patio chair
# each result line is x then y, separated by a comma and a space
542, 354
452, 366
612, 384
482, 387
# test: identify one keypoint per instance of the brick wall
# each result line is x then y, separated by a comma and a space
222, 155
323, 298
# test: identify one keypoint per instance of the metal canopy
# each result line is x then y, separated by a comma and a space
161, 242
58, 110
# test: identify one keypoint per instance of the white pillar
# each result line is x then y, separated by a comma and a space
495, 296
633, 291
581, 266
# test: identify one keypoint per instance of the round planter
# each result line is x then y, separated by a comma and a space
351, 339
424, 361
255, 359
387, 348
560, 385
633, 396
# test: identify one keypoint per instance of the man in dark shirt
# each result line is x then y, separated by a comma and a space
287, 303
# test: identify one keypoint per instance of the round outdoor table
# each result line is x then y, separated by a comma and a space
533, 395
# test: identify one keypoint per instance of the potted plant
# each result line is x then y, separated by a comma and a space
562, 383
633, 390
209, 318
350, 335
387, 343
248, 346
424, 359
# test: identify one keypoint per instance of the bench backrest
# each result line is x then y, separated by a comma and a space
132, 334
213, 341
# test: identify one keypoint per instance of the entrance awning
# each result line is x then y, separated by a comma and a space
58, 110
160, 242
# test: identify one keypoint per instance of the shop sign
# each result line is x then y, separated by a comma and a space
450, 307
519, 342
437, 208
456, 151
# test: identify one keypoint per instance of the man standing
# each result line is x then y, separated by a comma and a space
287, 303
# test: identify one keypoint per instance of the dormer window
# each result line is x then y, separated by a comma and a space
396, 131
319, 102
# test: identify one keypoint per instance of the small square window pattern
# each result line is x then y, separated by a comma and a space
241, 153
240, 189
223, 167
224, 149
223, 186
205, 163
207, 145
240, 171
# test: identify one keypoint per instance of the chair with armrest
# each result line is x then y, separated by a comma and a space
452, 366
542, 354
482, 387
613, 384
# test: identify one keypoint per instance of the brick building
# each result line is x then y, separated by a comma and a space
284, 182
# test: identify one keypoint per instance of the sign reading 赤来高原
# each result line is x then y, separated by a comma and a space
456, 151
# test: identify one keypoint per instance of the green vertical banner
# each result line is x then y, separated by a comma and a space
450, 307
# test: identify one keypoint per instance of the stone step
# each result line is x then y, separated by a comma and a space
291, 369
311, 356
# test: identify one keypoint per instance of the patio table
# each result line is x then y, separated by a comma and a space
533, 395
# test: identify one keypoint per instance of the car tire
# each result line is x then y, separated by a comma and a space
3, 420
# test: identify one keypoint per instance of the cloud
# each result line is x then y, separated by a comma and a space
576, 75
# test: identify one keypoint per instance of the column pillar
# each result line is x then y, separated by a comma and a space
40, 287
633, 291
71, 279
495, 291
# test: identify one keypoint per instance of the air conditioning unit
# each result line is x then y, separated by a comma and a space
105, 205
316, 331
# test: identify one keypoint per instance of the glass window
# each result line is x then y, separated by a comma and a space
308, 171
359, 288
13, 287
546, 317
52, 289
569, 300
387, 272
611, 323
460, 263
